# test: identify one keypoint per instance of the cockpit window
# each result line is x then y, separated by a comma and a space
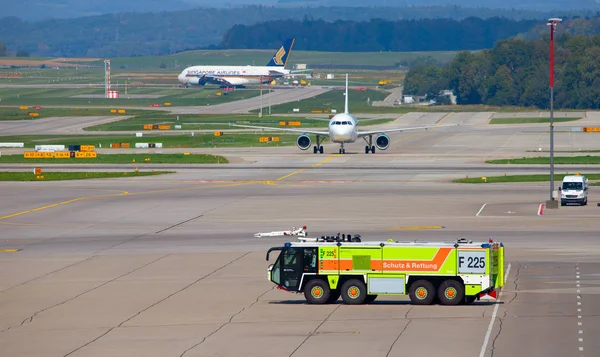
344, 123
338, 123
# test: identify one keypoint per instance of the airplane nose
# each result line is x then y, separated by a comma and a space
181, 77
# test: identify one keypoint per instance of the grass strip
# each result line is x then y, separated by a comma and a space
60, 176
529, 120
561, 160
519, 178
122, 159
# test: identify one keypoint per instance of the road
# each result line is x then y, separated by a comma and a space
168, 266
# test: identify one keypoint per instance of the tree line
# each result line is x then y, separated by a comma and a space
161, 33
516, 72
378, 34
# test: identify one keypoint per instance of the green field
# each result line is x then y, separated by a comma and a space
71, 97
123, 159
18, 114
334, 99
519, 178
559, 160
261, 57
529, 120
211, 121
203, 140
59, 176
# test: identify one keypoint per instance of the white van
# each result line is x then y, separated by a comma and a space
574, 189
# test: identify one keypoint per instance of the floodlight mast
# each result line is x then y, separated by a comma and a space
553, 22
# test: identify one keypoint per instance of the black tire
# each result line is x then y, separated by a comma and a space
321, 149
317, 291
354, 292
370, 298
367, 149
314, 149
451, 292
422, 292
373, 149
334, 296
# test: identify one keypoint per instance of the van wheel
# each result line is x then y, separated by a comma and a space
354, 292
317, 291
422, 292
451, 292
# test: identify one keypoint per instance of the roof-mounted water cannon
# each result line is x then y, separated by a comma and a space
298, 232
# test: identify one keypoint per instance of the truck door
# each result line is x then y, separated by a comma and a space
292, 269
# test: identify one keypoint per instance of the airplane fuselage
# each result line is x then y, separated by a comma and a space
235, 75
343, 128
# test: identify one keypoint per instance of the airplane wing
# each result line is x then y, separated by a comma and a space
372, 132
301, 131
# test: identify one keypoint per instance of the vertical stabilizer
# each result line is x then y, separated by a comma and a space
346, 99
280, 57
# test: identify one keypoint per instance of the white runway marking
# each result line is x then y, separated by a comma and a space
481, 209
492, 320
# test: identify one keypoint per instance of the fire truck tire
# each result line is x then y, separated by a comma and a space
422, 292
317, 291
370, 298
451, 292
354, 292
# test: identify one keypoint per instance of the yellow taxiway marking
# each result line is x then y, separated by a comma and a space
9, 250
304, 169
425, 132
123, 193
415, 228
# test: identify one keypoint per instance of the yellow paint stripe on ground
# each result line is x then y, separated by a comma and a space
123, 193
415, 228
9, 250
304, 169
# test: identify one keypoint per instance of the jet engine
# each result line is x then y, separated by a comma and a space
199, 81
303, 142
382, 141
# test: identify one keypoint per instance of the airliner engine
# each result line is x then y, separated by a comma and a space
303, 142
199, 81
382, 141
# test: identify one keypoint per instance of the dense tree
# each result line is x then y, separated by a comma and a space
516, 72
2, 50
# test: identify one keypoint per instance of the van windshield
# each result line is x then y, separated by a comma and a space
572, 186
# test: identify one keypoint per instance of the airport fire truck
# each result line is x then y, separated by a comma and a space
327, 267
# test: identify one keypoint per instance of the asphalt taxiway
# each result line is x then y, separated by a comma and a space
168, 265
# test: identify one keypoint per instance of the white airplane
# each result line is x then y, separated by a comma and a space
343, 128
239, 76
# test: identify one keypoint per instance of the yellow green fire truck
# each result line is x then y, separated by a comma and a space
328, 267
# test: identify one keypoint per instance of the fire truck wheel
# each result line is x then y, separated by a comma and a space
317, 291
451, 292
370, 298
422, 292
354, 292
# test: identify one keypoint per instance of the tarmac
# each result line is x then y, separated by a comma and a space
168, 265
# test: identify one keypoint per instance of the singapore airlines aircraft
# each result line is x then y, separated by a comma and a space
239, 76
343, 128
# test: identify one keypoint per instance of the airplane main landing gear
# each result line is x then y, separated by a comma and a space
318, 148
369, 147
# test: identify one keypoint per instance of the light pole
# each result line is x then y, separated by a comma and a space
552, 23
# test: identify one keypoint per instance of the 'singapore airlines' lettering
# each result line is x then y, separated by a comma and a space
408, 265
195, 72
